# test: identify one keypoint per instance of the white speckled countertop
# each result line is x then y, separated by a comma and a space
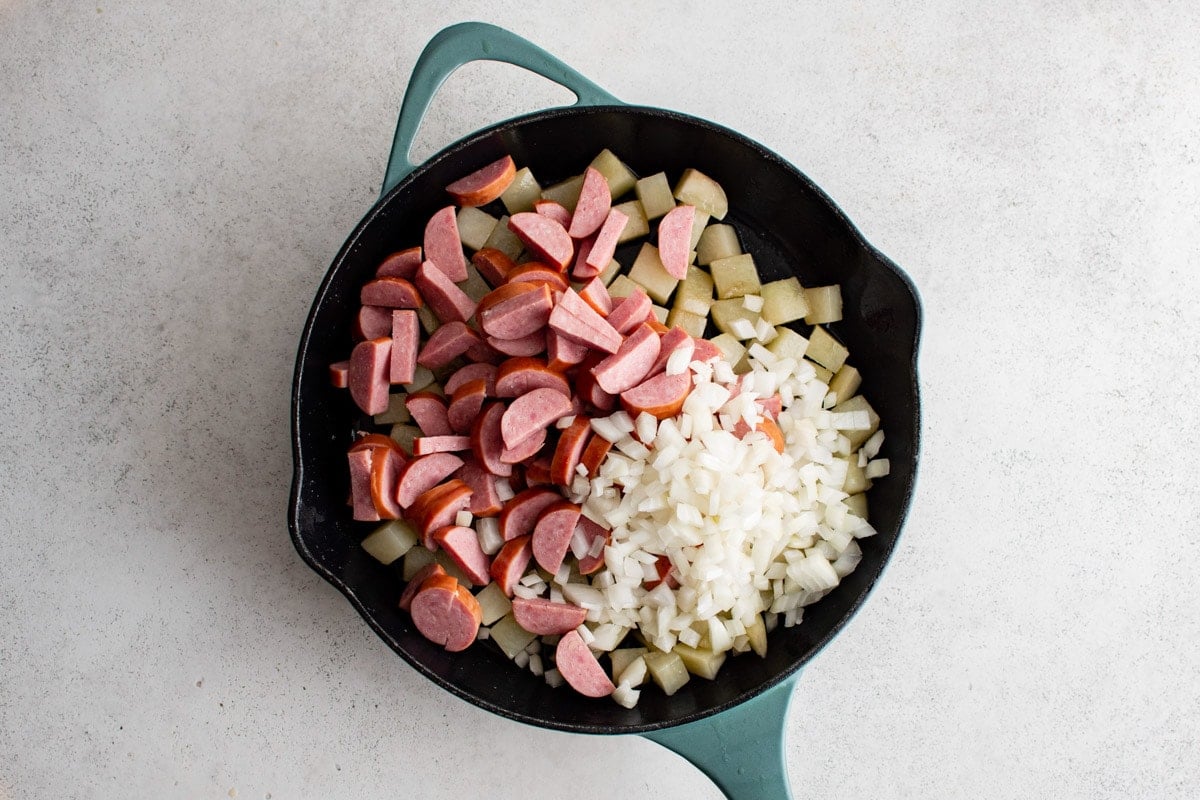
175, 179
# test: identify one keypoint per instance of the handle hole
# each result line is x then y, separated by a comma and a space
473, 98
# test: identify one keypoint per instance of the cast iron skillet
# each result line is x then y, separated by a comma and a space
729, 726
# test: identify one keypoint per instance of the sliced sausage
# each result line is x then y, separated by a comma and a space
772, 405
627, 314
443, 247
390, 293
531, 413
705, 350
553, 210
428, 445
360, 484
526, 346
526, 311
462, 545
485, 501
447, 301
518, 376
484, 185
765, 426
655, 325
385, 471
371, 322
465, 405
440, 509
552, 534
367, 375
662, 565
596, 295
661, 396
446, 613
588, 389
582, 271
674, 339
520, 513
510, 563
470, 372
606, 240
630, 365
537, 272
544, 237
422, 474
545, 617
525, 449
370, 441
563, 353
339, 374
494, 265
579, 322
592, 532
593, 206
406, 338
487, 442
569, 450
483, 353
594, 454
447, 343
537, 471
429, 412
402, 264
675, 240
580, 668
424, 573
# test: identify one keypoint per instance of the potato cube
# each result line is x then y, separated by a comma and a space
624, 657
474, 286
521, 193
667, 670
654, 193
757, 633
565, 193
731, 316
823, 375
731, 349
648, 270
695, 293
699, 224
826, 350
510, 636
475, 227
784, 301
621, 286
858, 403
422, 379
397, 410
620, 177
634, 673
493, 603
414, 560
856, 480
697, 189
609, 273
857, 503
704, 663
452, 569
660, 313
404, 434
429, 320
504, 240
637, 224
845, 383
735, 276
788, 344
390, 541
694, 324
717, 242
824, 304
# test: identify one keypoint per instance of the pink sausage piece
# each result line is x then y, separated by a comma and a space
580, 668
576, 320
520, 514
552, 534
526, 346
462, 545
630, 365
661, 396
429, 412
339, 374
553, 210
485, 500
525, 449
545, 617
446, 613
465, 405
606, 240
390, 293
675, 240
596, 295
367, 375
532, 412
472, 372
705, 350
627, 314
386, 464
373, 322
428, 445
581, 271
592, 532
447, 343
518, 376
593, 206
443, 247
402, 264
483, 353
544, 237
445, 298
562, 352
360, 484
672, 340
569, 450
406, 337
487, 443
423, 574
518, 316
422, 474
510, 563
484, 185
771, 406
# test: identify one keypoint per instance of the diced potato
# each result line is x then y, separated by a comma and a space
511, 637
634, 673
735, 276
695, 294
717, 242
474, 286
704, 663
654, 193
624, 657
452, 569
694, 324
788, 344
667, 670
824, 304
757, 634
732, 317
856, 479
397, 410
504, 240
648, 270
414, 560
731, 349
609, 273
521, 193
660, 313
390, 541
565, 193
743, 366
826, 350
422, 378
621, 287
475, 227
857, 503
620, 177
699, 224
845, 383
404, 435
429, 320
637, 224
859, 403
823, 375
493, 603
697, 189
784, 301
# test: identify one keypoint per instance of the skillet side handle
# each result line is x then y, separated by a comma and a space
457, 46
741, 749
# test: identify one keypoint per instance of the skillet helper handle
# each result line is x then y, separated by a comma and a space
457, 46
741, 749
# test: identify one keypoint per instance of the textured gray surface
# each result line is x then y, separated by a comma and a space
174, 180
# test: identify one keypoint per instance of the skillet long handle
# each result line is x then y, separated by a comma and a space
457, 46
741, 749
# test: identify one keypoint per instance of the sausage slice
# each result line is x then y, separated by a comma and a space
580, 668
532, 412
545, 617
446, 613
484, 185
595, 200
552, 534
544, 237
443, 247
675, 240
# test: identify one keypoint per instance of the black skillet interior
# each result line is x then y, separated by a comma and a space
789, 226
